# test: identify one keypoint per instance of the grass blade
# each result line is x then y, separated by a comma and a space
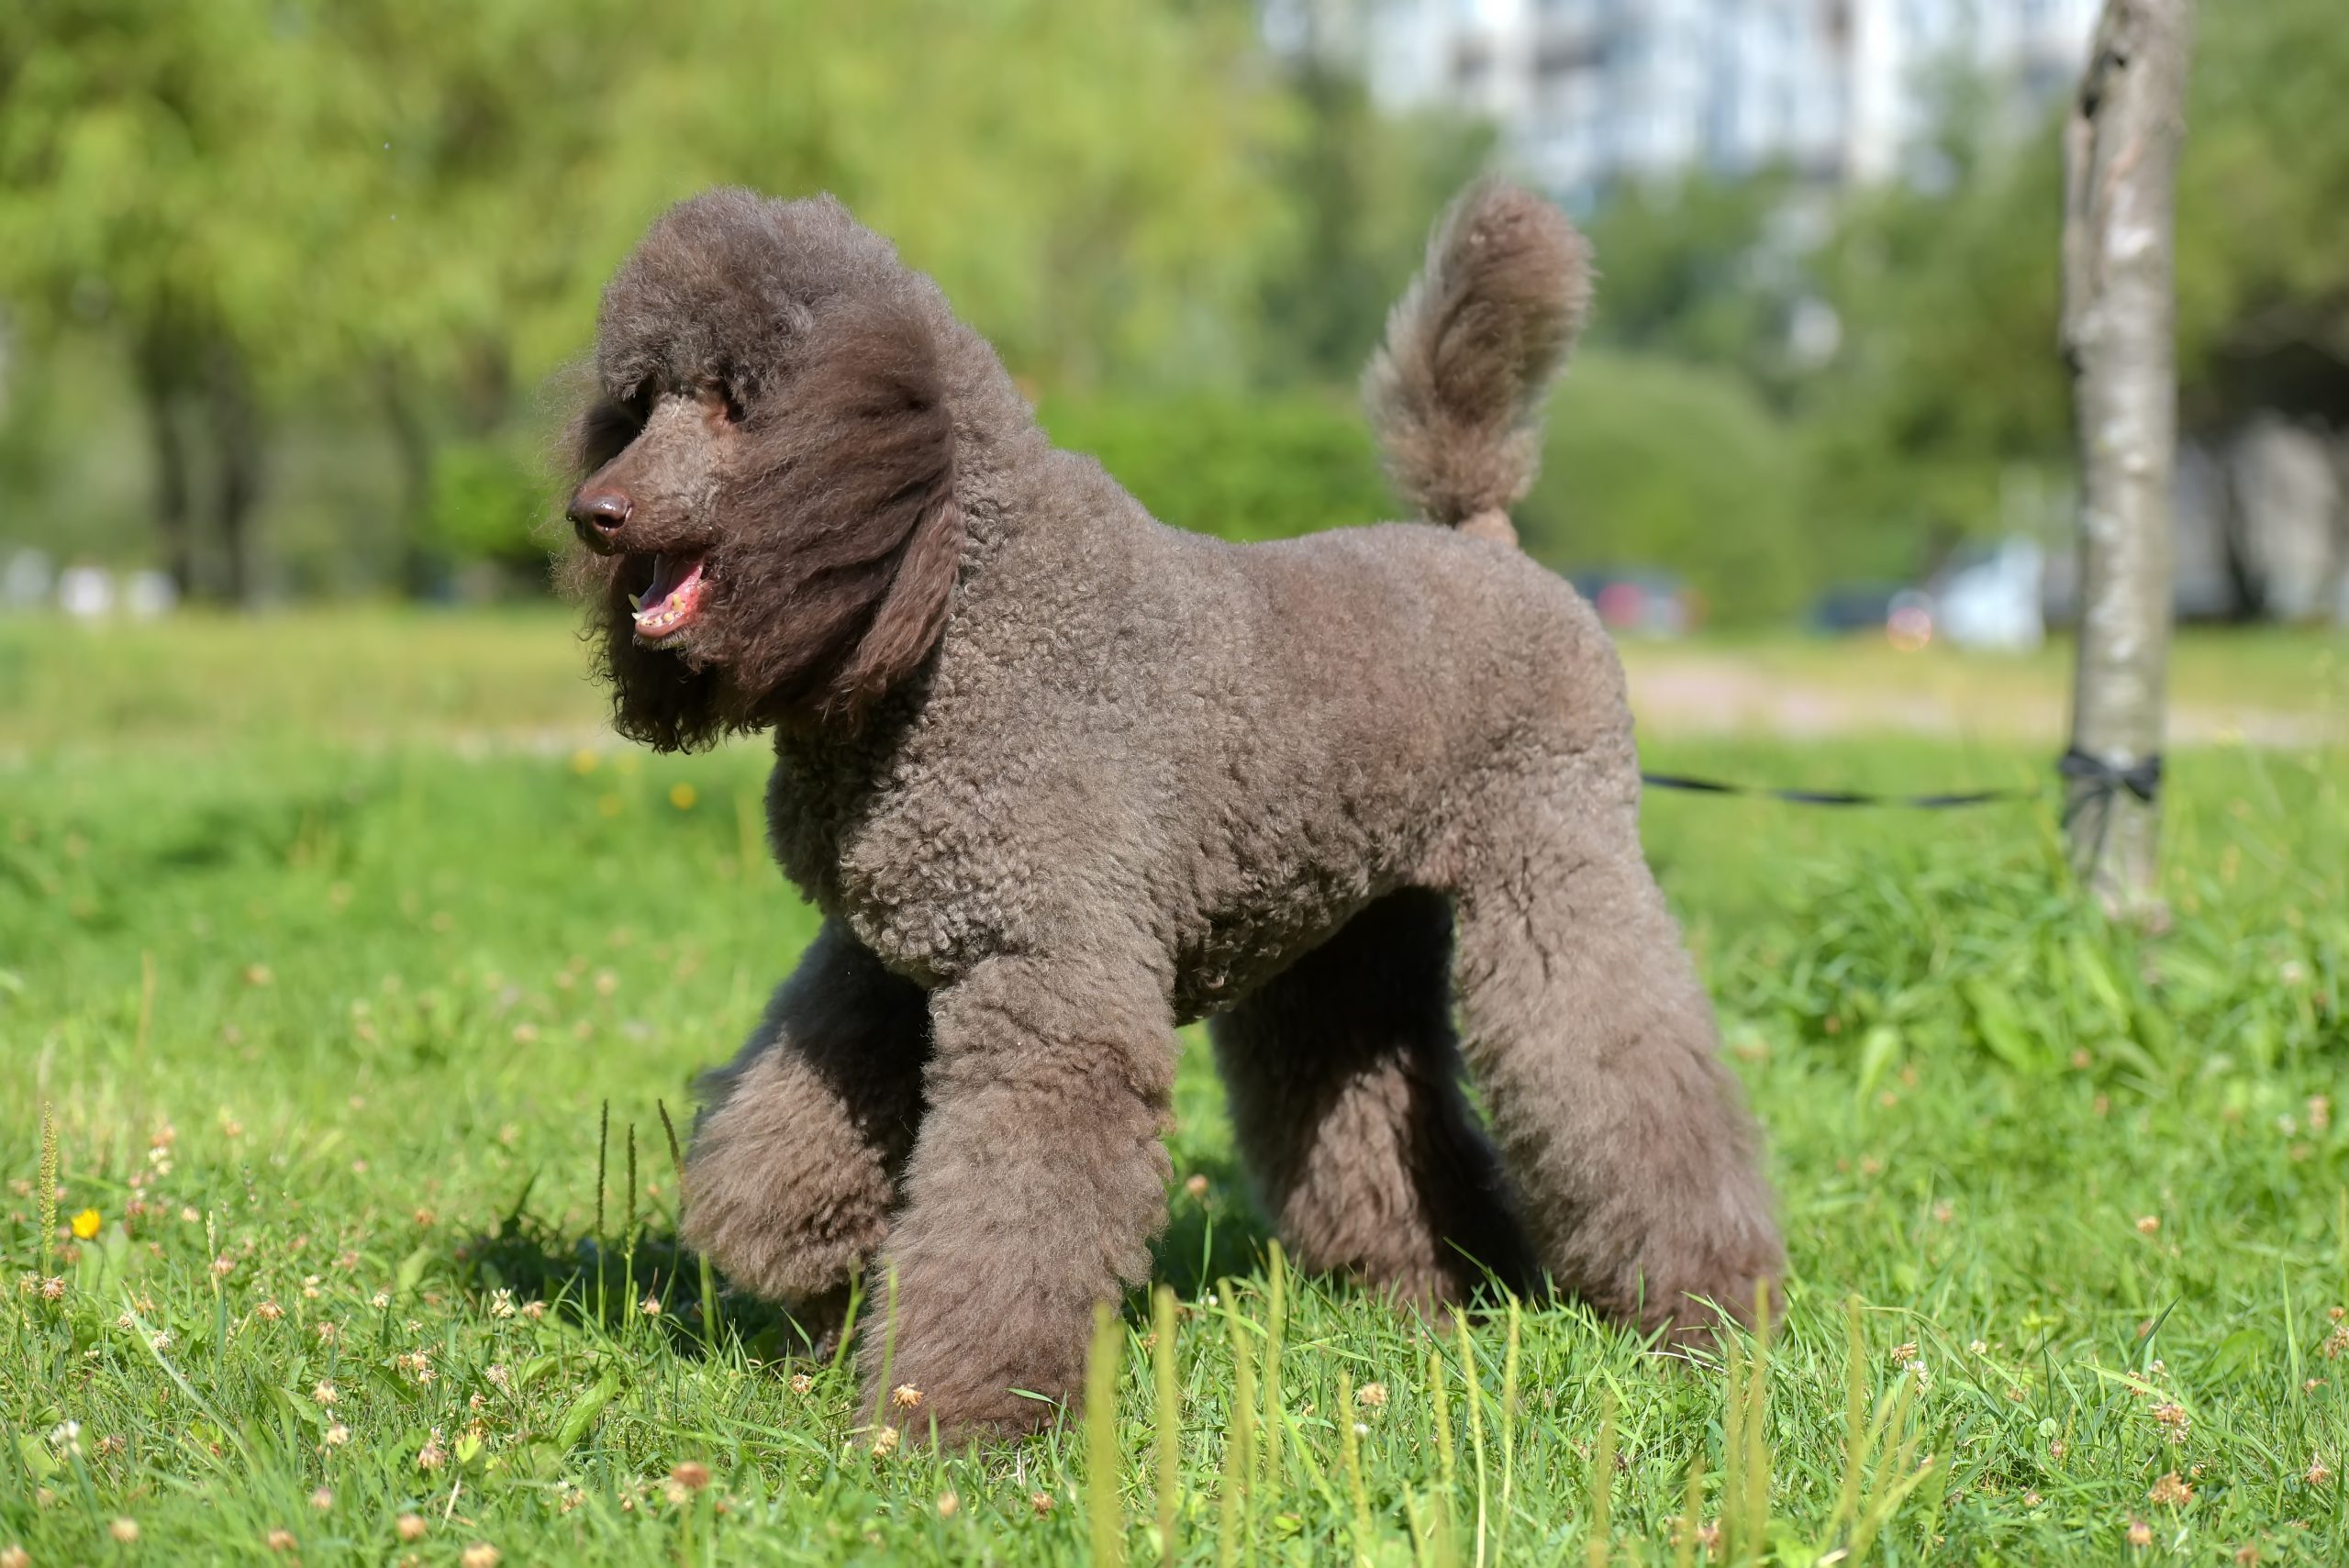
1473, 1397
1105, 1522
1692, 1515
47, 1188
1599, 1548
1350, 1456
1508, 1428
1234, 1534
1170, 1418
1269, 1430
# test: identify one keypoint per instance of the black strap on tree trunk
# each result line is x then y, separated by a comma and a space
2101, 784
2142, 780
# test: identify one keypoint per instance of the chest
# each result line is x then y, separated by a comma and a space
921, 858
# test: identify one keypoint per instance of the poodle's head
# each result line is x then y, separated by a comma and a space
765, 507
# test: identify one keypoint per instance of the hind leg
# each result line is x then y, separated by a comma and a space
1595, 1043
794, 1161
1344, 1082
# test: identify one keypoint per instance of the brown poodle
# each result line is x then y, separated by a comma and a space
1062, 780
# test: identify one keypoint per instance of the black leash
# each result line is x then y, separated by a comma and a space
2104, 779
1837, 797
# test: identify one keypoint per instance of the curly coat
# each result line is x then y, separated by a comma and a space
1062, 779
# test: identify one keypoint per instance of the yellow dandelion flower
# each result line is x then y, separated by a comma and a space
87, 1223
583, 761
682, 796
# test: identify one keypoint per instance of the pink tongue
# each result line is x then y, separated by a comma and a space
668, 576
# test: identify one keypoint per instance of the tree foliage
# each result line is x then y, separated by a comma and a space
410, 205
363, 234
1945, 396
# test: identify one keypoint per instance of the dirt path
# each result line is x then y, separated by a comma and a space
1676, 691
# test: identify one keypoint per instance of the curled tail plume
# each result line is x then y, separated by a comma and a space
1455, 393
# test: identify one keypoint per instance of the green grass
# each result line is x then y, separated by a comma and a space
327, 995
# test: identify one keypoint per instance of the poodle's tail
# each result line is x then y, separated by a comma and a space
1455, 393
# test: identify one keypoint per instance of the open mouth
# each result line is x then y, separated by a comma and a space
674, 600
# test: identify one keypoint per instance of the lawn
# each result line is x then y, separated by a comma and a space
353, 969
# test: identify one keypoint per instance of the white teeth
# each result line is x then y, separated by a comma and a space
636, 601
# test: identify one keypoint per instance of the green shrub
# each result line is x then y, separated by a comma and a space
1650, 462
1647, 463
1242, 465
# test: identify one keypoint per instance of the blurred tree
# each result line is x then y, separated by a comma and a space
147, 155
1357, 190
1703, 269
1653, 462
1945, 384
2119, 324
1947, 378
471, 237
2263, 245
412, 203
290, 219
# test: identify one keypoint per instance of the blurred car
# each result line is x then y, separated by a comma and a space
1640, 604
1986, 596
1852, 607
1990, 596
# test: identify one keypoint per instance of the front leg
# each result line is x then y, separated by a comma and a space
795, 1162
1034, 1190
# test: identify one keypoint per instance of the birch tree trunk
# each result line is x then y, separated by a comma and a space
2120, 162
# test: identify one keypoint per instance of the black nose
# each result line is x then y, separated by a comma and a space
597, 515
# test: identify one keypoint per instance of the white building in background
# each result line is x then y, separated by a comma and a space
1588, 94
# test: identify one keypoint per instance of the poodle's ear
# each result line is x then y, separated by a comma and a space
906, 622
852, 534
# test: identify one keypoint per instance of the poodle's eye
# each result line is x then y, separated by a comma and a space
729, 399
607, 432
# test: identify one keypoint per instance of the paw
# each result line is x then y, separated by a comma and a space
1723, 1291
782, 1235
973, 1390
